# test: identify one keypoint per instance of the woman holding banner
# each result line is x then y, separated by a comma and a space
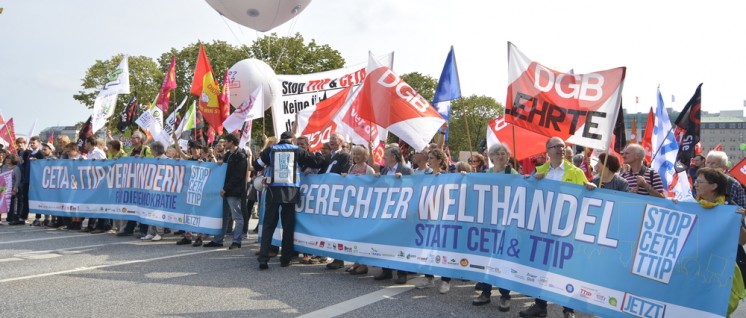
607, 168
438, 162
711, 187
499, 154
359, 167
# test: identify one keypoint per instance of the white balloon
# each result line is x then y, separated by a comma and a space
246, 75
260, 15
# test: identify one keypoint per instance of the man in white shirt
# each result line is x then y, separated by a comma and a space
95, 152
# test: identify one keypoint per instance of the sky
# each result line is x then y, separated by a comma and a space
47, 46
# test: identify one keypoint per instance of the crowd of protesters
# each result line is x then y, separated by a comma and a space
626, 173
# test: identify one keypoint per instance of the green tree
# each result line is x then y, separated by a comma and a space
290, 54
144, 74
476, 111
423, 84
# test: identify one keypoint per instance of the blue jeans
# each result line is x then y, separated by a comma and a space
232, 207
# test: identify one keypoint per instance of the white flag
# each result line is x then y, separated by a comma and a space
33, 128
664, 142
103, 106
246, 111
168, 127
152, 121
245, 142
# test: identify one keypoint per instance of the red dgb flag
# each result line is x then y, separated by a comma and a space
317, 122
579, 108
385, 99
531, 143
739, 171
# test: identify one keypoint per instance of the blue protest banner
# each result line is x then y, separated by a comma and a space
604, 252
177, 194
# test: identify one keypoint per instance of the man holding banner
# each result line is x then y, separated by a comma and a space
557, 169
281, 165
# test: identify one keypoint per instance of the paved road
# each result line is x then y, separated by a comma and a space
58, 273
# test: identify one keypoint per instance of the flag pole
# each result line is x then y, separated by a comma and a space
466, 124
515, 154
652, 158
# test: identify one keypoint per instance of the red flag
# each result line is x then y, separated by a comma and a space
389, 102
207, 90
51, 137
739, 171
647, 139
531, 143
579, 108
316, 122
210, 135
719, 147
2, 120
378, 154
169, 83
225, 101
8, 134
633, 135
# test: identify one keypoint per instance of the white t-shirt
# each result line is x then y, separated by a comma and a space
97, 154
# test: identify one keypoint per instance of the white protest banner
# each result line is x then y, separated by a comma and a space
302, 91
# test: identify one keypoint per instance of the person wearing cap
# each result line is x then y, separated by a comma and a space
195, 154
233, 188
48, 150
281, 166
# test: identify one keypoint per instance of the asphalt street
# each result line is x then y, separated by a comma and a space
59, 273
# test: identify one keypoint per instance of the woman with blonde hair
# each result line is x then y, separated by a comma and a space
359, 167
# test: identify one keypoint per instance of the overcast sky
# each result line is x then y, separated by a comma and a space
46, 46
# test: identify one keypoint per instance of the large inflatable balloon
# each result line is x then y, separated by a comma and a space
246, 75
260, 15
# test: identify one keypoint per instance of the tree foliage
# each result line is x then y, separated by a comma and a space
144, 79
476, 111
423, 84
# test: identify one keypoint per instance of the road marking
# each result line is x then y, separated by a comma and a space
88, 268
358, 302
49, 238
62, 250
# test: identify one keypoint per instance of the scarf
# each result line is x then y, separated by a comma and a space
708, 205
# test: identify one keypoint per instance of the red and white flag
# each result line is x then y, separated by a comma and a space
317, 122
386, 100
531, 143
579, 108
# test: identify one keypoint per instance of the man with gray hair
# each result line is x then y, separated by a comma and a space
719, 160
641, 179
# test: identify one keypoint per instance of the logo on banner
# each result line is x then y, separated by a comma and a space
662, 237
197, 182
642, 307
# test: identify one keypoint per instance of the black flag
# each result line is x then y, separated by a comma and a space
620, 134
687, 127
127, 116
85, 132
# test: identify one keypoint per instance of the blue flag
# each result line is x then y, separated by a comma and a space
449, 87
